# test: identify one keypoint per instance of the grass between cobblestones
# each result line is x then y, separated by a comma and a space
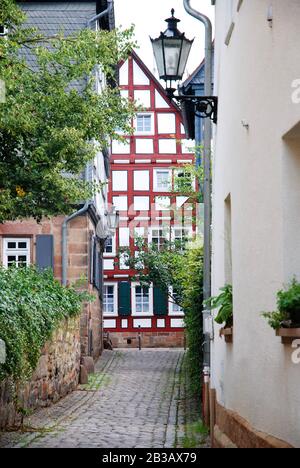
191, 431
96, 381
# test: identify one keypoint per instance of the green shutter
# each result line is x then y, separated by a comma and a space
160, 302
124, 293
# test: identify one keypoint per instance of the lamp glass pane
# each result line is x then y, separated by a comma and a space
172, 52
186, 48
157, 45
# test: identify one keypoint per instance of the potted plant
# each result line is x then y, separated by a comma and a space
288, 305
224, 302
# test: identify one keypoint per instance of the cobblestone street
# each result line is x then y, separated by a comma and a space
131, 401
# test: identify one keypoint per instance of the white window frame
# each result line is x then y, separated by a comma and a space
7, 252
189, 229
172, 312
115, 312
133, 302
144, 132
158, 228
156, 188
184, 170
114, 248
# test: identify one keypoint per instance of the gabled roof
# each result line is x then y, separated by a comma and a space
151, 77
197, 77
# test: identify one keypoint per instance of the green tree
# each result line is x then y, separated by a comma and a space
177, 269
53, 116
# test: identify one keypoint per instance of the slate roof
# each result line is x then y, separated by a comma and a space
196, 79
53, 17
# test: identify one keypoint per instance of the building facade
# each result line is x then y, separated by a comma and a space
70, 246
141, 188
256, 206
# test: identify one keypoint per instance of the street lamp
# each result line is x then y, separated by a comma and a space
113, 219
171, 51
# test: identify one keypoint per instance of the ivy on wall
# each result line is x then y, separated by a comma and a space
32, 305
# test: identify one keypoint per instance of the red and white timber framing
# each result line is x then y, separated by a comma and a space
138, 189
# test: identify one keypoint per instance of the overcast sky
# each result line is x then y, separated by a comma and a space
148, 17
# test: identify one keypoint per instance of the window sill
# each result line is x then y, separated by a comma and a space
288, 335
227, 333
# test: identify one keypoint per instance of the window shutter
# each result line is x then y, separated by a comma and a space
160, 302
124, 301
92, 248
100, 277
44, 251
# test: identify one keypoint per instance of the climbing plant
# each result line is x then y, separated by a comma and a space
177, 268
32, 305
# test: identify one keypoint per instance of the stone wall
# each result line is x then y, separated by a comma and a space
56, 375
80, 231
148, 339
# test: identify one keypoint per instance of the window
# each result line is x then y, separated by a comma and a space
184, 181
16, 251
3, 30
162, 180
159, 237
110, 306
174, 309
110, 247
144, 123
123, 261
181, 234
142, 300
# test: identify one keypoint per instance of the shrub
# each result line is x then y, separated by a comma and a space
288, 307
32, 305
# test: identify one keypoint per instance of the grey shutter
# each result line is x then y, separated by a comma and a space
124, 299
101, 274
44, 251
160, 300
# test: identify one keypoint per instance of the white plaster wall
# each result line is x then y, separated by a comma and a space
255, 376
139, 76
123, 74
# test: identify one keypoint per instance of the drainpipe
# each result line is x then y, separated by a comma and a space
64, 254
103, 13
207, 169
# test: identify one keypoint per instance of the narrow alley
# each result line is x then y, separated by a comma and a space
132, 400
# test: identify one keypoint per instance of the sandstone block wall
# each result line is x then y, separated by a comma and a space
56, 375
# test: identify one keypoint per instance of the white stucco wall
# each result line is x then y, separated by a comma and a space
255, 376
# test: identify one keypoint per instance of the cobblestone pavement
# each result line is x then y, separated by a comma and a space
131, 401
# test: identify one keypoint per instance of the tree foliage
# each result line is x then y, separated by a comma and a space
177, 269
53, 114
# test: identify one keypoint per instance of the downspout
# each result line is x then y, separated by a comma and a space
64, 251
207, 172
